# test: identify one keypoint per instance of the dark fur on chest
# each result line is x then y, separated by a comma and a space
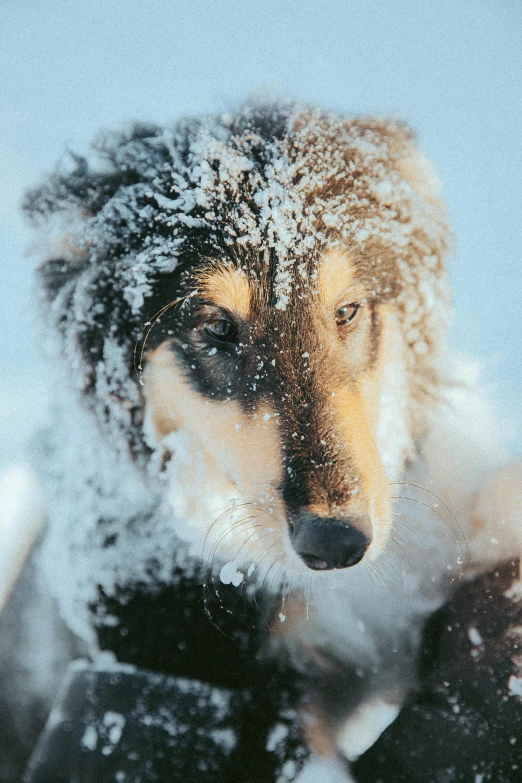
465, 724
184, 630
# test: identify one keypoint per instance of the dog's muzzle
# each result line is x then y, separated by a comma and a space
325, 543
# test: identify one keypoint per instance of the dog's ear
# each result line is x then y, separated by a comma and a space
407, 158
86, 320
404, 156
54, 274
90, 324
420, 173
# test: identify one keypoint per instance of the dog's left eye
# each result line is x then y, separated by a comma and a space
221, 330
346, 313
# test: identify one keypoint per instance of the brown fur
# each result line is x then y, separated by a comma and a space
227, 288
346, 365
252, 449
274, 219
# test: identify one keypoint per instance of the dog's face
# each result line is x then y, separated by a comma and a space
287, 408
297, 261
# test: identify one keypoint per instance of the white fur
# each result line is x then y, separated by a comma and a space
22, 516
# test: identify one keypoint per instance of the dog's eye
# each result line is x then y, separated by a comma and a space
221, 330
346, 313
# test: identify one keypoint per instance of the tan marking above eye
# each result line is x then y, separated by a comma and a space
336, 276
226, 287
338, 285
355, 410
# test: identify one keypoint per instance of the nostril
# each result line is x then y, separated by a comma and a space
351, 557
327, 543
314, 562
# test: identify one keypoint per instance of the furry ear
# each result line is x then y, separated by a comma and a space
405, 156
93, 220
420, 173
54, 274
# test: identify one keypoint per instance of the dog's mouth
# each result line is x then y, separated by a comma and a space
328, 543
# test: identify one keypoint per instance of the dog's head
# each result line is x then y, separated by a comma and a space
281, 275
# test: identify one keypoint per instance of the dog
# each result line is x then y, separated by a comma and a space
250, 315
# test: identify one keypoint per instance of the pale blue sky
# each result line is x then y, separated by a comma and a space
451, 68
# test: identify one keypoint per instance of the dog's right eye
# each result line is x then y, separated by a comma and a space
221, 330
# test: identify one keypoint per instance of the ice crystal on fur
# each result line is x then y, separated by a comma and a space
281, 181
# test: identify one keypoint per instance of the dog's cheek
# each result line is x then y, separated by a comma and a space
162, 415
355, 410
389, 385
375, 415
246, 446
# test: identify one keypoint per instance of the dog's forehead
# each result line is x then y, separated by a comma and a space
265, 190
282, 199
228, 287
250, 286
281, 196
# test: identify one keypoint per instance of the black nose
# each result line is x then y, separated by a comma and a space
324, 543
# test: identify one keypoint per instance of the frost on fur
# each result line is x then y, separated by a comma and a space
281, 181
284, 181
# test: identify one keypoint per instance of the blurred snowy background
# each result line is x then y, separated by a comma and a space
452, 69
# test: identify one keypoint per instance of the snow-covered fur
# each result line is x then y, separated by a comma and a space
275, 188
